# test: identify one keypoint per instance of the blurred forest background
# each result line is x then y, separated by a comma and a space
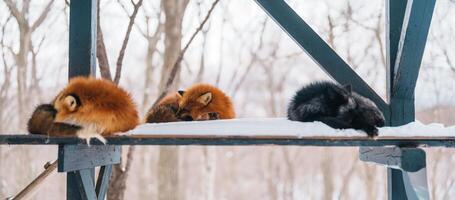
244, 53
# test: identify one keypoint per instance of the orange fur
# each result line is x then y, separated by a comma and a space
220, 103
103, 105
172, 99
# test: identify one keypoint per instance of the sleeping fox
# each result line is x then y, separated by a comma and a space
205, 102
86, 107
199, 102
337, 106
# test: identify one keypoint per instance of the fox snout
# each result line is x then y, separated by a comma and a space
380, 123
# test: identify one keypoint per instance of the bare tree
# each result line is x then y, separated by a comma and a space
6, 83
26, 30
153, 38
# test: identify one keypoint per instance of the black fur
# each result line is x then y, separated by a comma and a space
336, 106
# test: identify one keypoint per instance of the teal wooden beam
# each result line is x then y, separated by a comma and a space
407, 25
82, 38
82, 156
318, 49
414, 32
103, 181
394, 21
85, 184
80, 161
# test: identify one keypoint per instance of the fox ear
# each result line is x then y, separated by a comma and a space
205, 98
348, 88
181, 92
71, 102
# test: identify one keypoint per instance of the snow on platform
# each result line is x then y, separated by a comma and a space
282, 127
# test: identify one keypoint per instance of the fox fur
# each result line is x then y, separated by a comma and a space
336, 106
205, 102
166, 109
86, 107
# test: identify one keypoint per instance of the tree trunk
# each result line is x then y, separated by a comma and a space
168, 161
21, 72
327, 175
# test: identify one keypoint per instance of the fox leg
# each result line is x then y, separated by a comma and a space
334, 122
63, 129
369, 129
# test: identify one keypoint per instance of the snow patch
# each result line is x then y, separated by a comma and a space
282, 127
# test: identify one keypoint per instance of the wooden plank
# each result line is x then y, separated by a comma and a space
407, 159
76, 157
82, 38
235, 140
103, 181
318, 49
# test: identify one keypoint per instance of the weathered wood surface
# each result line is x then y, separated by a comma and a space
235, 140
77, 157
407, 159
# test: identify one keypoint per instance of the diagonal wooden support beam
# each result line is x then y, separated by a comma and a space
85, 184
103, 181
318, 49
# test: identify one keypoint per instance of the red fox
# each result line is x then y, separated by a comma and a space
205, 102
86, 107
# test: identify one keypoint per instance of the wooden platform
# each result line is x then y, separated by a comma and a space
157, 139
258, 131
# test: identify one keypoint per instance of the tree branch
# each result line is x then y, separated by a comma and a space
101, 54
175, 68
125, 41
42, 16
15, 12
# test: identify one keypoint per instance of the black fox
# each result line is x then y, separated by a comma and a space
337, 106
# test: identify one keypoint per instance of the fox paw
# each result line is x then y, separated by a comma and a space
371, 131
214, 116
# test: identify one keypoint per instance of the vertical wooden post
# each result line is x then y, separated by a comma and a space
82, 38
395, 10
407, 25
82, 62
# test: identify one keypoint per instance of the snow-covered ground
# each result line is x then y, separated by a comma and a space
283, 127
